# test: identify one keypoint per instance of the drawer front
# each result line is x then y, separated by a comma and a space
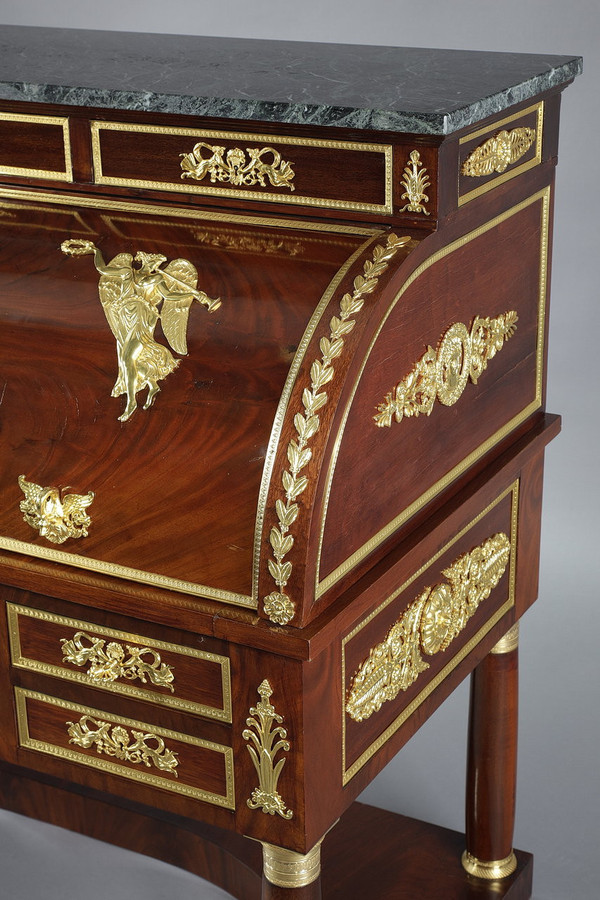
455, 365
35, 147
341, 175
394, 658
499, 152
162, 673
126, 748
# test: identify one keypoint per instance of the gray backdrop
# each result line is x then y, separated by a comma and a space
559, 782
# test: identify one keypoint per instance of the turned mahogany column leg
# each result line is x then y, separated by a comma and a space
492, 762
291, 876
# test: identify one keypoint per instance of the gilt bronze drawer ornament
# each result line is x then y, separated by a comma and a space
429, 626
109, 664
131, 296
56, 519
499, 152
115, 740
237, 168
267, 743
443, 375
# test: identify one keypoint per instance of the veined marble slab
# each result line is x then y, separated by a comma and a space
403, 89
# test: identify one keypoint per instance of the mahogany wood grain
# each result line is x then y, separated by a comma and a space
177, 487
352, 520
360, 736
426, 536
370, 853
129, 607
325, 669
285, 678
37, 145
201, 768
228, 860
470, 183
492, 757
196, 680
383, 856
273, 892
530, 535
483, 278
337, 174
440, 155
190, 467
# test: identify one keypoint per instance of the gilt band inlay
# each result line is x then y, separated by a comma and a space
429, 625
443, 374
236, 168
56, 519
131, 296
110, 663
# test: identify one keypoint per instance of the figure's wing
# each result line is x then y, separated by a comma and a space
74, 510
33, 492
77, 501
111, 292
180, 277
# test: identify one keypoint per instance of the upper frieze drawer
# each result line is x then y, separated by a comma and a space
35, 147
499, 152
345, 176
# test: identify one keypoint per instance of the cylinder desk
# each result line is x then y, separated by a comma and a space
273, 330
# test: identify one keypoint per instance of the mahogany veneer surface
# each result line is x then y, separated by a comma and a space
254, 522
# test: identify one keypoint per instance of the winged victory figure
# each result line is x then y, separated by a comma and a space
134, 298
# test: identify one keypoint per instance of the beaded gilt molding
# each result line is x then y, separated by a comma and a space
278, 605
429, 626
443, 374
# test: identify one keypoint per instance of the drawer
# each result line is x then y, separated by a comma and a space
35, 147
125, 748
161, 673
395, 657
337, 175
499, 152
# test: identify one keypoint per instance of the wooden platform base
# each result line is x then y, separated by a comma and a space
371, 854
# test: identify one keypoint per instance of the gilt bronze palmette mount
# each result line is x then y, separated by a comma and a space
134, 298
415, 182
266, 738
